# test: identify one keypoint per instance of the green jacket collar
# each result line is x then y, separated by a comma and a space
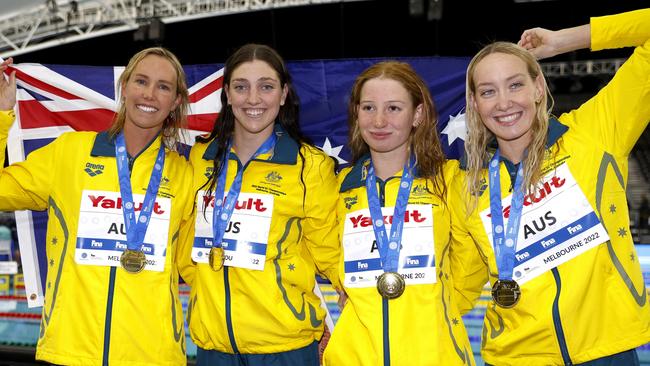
104, 145
555, 130
284, 152
357, 175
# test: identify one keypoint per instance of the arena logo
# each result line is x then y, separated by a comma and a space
208, 172
350, 201
94, 169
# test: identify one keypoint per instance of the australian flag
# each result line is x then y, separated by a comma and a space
53, 99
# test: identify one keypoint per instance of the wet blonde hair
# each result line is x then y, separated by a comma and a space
423, 140
479, 136
177, 118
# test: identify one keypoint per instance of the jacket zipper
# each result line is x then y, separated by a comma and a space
226, 282
109, 314
231, 333
384, 301
557, 321
111, 292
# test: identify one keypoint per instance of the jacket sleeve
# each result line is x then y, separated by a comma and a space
319, 226
619, 113
26, 185
186, 266
468, 267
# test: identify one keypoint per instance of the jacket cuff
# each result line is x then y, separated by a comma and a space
6, 120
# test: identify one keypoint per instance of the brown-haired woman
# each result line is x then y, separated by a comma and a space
402, 307
567, 287
266, 198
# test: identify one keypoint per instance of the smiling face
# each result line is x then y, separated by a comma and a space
386, 116
150, 95
255, 95
505, 97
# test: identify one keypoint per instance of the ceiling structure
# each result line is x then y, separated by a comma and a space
108, 32
34, 27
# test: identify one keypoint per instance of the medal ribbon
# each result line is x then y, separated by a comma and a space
223, 208
389, 250
136, 230
505, 243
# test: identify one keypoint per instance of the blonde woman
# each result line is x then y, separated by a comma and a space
112, 281
548, 206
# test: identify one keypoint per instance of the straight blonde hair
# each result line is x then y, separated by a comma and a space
177, 118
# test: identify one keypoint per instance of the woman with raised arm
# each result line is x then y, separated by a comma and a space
547, 202
111, 295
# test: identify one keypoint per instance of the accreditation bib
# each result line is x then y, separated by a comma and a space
557, 225
101, 233
416, 264
247, 234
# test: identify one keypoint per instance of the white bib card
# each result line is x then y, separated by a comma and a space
417, 263
101, 233
557, 225
247, 234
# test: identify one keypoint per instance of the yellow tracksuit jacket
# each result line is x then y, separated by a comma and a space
239, 310
421, 327
100, 315
595, 304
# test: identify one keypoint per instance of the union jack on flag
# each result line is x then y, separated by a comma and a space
53, 99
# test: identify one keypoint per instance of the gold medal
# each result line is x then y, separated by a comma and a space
133, 261
216, 258
506, 293
390, 285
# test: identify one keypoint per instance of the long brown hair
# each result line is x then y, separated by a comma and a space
177, 118
423, 140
